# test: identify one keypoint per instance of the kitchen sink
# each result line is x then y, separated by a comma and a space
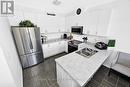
87, 52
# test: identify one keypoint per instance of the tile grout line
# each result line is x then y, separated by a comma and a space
102, 80
110, 82
117, 81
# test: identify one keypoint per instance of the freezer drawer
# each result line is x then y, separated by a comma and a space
24, 61
31, 59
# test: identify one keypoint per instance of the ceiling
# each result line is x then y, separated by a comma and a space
66, 6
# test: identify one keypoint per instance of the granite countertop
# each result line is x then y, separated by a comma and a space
82, 69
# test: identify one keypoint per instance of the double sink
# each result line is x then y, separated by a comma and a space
87, 52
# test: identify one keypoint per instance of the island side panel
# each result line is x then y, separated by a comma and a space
63, 79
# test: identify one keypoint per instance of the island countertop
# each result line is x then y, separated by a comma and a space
82, 69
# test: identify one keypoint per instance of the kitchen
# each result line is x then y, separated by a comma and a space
65, 49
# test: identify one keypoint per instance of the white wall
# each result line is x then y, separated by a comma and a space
119, 27
64, 8
5, 74
48, 24
9, 57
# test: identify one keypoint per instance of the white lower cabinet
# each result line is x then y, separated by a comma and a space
61, 46
66, 46
63, 79
46, 50
54, 48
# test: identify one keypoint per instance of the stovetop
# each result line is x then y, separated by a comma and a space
87, 52
75, 42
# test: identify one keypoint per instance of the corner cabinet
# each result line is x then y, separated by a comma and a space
54, 48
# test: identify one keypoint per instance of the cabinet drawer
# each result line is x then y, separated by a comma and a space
31, 59
34, 59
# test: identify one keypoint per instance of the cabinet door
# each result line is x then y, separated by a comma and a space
54, 48
103, 22
66, 46
50, 49
63, 78
61, 46
45, 50
74, 84
91, 22
44, 47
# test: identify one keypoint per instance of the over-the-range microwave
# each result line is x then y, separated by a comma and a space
77, 29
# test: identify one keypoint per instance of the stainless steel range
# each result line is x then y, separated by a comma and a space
87, 52
73, 45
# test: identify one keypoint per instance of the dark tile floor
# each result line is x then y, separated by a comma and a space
101, 79
44, 75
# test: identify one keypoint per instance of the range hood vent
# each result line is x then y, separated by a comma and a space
51, 14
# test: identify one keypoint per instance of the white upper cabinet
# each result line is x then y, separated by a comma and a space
103, 22
51, 24
75, 20
88, 20
47, 24
97, 21
91, 22
94, 21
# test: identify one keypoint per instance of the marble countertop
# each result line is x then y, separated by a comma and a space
82, 69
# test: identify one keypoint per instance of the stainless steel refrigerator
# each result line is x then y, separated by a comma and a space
28, 44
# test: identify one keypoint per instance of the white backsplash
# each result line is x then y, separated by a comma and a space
92, 39
53, 36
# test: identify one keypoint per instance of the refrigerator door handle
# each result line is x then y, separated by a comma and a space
31, 46
30, 41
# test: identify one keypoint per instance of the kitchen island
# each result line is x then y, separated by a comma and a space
74, 70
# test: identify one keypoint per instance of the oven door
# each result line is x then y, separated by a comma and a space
72, 48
